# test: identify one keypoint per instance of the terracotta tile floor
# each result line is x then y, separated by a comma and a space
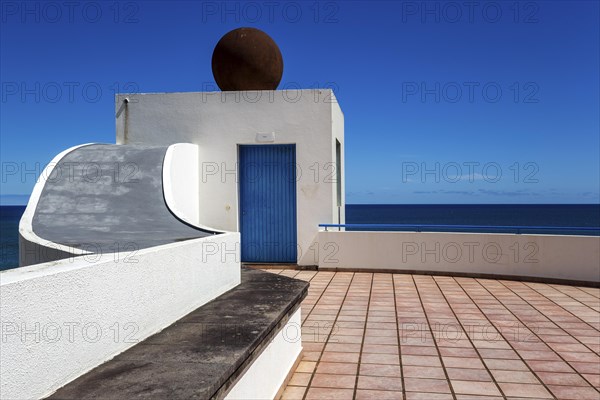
397, 336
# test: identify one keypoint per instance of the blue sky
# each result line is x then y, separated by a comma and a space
444, 102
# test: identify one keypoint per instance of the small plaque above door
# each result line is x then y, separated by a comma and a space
265, 137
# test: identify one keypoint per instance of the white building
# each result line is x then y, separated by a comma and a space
269, 164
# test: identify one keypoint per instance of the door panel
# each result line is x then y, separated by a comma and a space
268, 203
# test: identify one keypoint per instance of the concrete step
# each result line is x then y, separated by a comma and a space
248, 331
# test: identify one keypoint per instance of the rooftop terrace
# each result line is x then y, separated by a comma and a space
400, 336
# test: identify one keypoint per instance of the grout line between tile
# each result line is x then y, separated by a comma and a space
433, 337
470, 341
362, 344
312, 375
398, 337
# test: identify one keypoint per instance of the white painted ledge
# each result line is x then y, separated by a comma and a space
268, 372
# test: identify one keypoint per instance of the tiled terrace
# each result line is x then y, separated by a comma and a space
371, 336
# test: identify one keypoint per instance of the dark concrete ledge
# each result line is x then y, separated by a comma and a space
202, 355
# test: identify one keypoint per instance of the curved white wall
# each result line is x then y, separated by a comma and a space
32, 248
181, 180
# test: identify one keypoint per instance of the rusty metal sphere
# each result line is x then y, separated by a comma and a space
247, 59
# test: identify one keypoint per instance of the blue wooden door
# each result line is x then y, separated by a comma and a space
268, 203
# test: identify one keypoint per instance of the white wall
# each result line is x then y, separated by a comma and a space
546, 256
219, 121
266, 375
60, 319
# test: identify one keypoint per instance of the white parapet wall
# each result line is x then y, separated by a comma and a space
573, 258
61, 319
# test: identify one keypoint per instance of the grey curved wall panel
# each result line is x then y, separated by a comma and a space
109, 198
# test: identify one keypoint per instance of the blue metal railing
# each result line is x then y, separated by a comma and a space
463, 228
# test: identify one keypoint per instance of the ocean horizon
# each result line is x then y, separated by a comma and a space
546, 215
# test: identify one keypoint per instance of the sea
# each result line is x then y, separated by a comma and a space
561, 216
